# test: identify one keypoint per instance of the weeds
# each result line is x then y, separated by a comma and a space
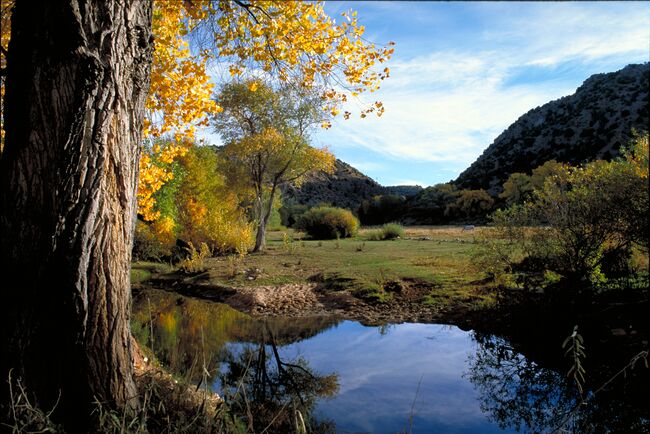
22, 415
194, 263
234, 264
389, 231
289, 245
575, 349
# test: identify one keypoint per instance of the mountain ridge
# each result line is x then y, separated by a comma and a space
592, 123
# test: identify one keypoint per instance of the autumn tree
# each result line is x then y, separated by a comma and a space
198, 205
267, 134
519, 187
76, 91
471, 204
77, 82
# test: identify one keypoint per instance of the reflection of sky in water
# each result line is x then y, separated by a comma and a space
379, 375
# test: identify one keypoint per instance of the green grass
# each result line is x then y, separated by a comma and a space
439, 257
142, 271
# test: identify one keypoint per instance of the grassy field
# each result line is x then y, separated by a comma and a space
439, 258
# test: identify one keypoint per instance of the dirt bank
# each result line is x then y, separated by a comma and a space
310, 299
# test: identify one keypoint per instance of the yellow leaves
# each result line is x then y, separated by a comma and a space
253, 85
307, 46
180, 98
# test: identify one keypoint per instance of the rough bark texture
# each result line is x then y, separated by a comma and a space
78, 76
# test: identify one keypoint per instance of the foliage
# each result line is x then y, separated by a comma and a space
266, 131
194, 262
470, 204
584, 217
328, 223
196, 206
381, 209
389, 231
309, 49
154, 240
179, 98
519, 187
291, 212
429, 206
208, 210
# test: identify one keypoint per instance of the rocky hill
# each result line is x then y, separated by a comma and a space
345, 188
591, 124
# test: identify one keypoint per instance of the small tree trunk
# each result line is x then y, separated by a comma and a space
260, 238
78, 77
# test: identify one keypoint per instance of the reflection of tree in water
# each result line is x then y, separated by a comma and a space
188, 335
273, 395
518, 393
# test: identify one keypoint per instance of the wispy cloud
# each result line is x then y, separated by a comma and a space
445, 105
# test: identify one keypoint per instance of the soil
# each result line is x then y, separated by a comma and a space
315, 299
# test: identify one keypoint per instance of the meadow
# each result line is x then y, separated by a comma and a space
438, 260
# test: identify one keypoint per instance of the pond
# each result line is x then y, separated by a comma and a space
343, 376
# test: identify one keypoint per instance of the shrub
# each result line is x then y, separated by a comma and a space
194, 262
389, 231
381, 209
153, 241
328, 223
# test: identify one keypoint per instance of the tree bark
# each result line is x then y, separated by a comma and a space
265, 215
77, 80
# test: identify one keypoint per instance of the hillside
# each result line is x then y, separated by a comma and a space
590, 124
346, 188
404, 190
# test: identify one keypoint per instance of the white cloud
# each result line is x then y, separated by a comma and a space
366, 166
448, 105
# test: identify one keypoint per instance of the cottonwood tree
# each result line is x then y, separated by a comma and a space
77, 82
266, 132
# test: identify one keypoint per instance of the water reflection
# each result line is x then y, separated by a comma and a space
187, 333
516, 392
274, 395
405, 377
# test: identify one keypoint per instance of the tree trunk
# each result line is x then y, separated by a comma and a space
260, 238
78, 77
265, 214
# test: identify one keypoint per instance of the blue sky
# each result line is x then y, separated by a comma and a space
462, 72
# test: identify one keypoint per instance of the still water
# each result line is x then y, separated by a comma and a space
348, 377
394, 377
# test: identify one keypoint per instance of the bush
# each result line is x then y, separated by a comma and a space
153, 241
194, 263
328, 223
382, 209
389, 231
